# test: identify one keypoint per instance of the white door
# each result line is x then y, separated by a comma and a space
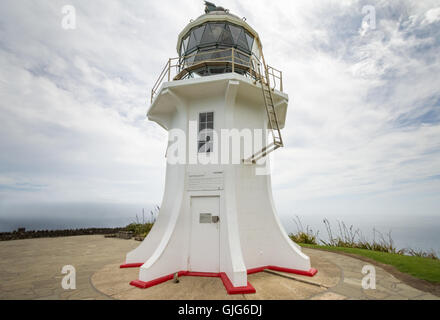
205, 234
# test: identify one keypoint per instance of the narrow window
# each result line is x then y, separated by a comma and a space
206, 128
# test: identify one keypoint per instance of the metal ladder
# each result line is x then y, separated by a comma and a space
272, 117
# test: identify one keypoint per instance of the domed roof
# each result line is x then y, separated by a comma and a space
220, 12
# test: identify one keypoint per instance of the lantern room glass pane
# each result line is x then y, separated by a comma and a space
242, 42
217, 30
235, 31
185, 43
198, 33
241, 58
250, 40
220, 54
192, 42
207, 37
226, 37
190, 60
206, 54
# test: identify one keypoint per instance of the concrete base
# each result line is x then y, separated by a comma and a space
230, 288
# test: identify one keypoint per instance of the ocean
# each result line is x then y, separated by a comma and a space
416, 232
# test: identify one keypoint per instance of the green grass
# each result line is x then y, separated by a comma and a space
422, 268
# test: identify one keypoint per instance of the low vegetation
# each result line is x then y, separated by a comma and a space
418, 263
304, 235
349, 237
141, 228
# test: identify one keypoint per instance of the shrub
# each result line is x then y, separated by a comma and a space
303, 235
142, 229
139, 228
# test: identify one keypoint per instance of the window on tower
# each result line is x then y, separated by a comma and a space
205, 135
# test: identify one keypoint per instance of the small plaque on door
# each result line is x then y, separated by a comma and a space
205, 218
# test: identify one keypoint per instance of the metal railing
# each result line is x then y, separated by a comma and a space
234, 60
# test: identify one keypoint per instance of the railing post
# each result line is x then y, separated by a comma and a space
281, 81
274, 79
233, 60
169, 70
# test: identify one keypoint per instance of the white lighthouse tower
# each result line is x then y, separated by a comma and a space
224, 109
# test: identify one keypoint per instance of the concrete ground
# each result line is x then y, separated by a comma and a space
31, 269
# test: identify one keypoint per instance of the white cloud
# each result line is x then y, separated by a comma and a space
432, 15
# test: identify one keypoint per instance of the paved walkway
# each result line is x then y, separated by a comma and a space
31, 269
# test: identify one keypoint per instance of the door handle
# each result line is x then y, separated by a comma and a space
215, 219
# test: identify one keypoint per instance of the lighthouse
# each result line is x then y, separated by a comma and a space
224, 109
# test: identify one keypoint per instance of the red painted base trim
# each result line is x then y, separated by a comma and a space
235, 290
148, 284
130, 265
225, 279
256, 270
309, 273
313, 271
226, 282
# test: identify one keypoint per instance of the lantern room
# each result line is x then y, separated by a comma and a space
209, 45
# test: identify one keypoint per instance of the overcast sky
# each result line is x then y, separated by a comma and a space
362, 135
